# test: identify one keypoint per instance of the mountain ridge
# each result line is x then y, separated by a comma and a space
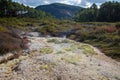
59, 10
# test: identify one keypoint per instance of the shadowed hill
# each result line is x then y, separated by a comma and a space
60, 11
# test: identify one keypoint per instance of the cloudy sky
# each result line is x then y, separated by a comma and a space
82, 3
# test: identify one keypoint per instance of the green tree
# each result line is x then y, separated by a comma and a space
87, 14
109, 12
14, 9
94, 11
4, 5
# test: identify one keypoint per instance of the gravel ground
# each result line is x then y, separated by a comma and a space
60, 59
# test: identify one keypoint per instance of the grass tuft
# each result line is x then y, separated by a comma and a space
88, 50
60, 52
3, 29
56, 41
47, 50
71, 58
47, 67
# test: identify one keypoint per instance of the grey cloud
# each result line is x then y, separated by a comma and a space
96, 1
84, 3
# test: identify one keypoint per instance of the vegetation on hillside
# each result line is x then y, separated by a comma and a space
105, 37
8, 8
108, 12
59, 10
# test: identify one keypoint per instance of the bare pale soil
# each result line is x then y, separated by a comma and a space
60, 59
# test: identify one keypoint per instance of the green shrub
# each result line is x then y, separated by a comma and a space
117, 25
3, 29
13, 22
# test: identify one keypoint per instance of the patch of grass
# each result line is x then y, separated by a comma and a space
71, 58
47, 67
79, 46
60, 52
65, 41
56, 41
71, 48
12, 22
88, 50
72, 36
47, 50
68, 49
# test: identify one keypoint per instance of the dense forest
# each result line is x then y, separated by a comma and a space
8, 8
108, 12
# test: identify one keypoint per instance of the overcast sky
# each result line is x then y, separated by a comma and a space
82, 3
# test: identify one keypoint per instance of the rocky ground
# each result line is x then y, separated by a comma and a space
60, 59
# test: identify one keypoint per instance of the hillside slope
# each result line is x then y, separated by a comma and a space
60, 11
60, 59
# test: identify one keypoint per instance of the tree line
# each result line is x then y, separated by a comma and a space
8, 8
108, 12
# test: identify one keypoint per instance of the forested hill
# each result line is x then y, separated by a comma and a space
108, 12
60, 11
8, 8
